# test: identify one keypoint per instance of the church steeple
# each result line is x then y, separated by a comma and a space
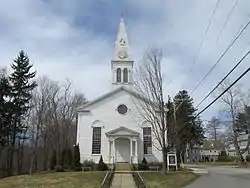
122, 49
122, 63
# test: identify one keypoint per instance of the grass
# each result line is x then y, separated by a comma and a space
55, 180
170, 180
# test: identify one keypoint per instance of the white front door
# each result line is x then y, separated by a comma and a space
122, 146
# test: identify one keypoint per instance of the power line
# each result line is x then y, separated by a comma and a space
222, 55
239, 62
242, 75
203, 39
217, 62
227, 20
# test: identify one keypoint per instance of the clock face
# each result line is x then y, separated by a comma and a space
122, 54
122, 42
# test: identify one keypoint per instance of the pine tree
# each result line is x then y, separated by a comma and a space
77, 163
101, 165
21, 87
188, 126
5, 110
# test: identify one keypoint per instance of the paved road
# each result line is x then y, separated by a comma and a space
223, 177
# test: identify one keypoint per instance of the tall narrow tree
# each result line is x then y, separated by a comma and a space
188, 127
5, 110
213, 129
21, 88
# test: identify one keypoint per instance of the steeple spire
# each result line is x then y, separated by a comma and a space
122, 63
122, 49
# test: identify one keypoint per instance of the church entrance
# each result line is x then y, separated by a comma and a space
122, 150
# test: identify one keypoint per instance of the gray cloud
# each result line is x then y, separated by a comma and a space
61, 48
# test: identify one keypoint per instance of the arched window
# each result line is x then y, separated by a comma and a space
96, 137
147, 137
125, 75
118, 75
147, 140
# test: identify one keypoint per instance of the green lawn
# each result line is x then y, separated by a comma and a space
55, 180
169, 180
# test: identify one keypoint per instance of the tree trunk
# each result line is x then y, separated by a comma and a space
164, 164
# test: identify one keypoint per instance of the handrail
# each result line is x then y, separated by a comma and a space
138, 180
104, 180
107, 181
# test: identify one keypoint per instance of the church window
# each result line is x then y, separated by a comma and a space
118, 75
96, 140
125, 75
122, 109
147, 140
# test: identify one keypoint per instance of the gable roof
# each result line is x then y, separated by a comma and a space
122, 88
123, 131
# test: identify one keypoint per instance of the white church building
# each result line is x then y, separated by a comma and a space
112, 126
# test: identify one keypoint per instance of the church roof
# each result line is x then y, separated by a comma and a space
121, 88
124, 131
122, 48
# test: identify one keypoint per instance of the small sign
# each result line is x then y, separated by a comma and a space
171, 160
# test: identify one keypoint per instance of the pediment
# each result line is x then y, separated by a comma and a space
122, 131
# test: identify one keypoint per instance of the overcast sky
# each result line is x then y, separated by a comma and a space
75, 39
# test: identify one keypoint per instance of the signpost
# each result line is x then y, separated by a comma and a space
172, 160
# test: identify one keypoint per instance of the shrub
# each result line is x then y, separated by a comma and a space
248, 158
144, 161
76, 160
78, 168
89, 163
59, 168
224, 157
143, 165
101, 165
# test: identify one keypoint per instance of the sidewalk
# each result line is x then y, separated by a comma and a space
123, 181
198, 170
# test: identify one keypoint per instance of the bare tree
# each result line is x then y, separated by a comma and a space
233, 103
53, 124
149, 87
213, 128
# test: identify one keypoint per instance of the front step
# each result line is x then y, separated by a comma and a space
123, 167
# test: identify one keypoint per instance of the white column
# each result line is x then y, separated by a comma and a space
113, 151
131, 149
136, 148
109, 151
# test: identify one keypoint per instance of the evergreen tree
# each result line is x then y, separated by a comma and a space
21, 88
5, 110
101, 165
77, 163
188, 127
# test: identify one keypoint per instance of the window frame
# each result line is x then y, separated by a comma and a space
118, 75
125, 75
96, 140
147, 138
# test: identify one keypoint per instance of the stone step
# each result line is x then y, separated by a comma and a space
122, 167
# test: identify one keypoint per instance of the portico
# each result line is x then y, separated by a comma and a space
123, 145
